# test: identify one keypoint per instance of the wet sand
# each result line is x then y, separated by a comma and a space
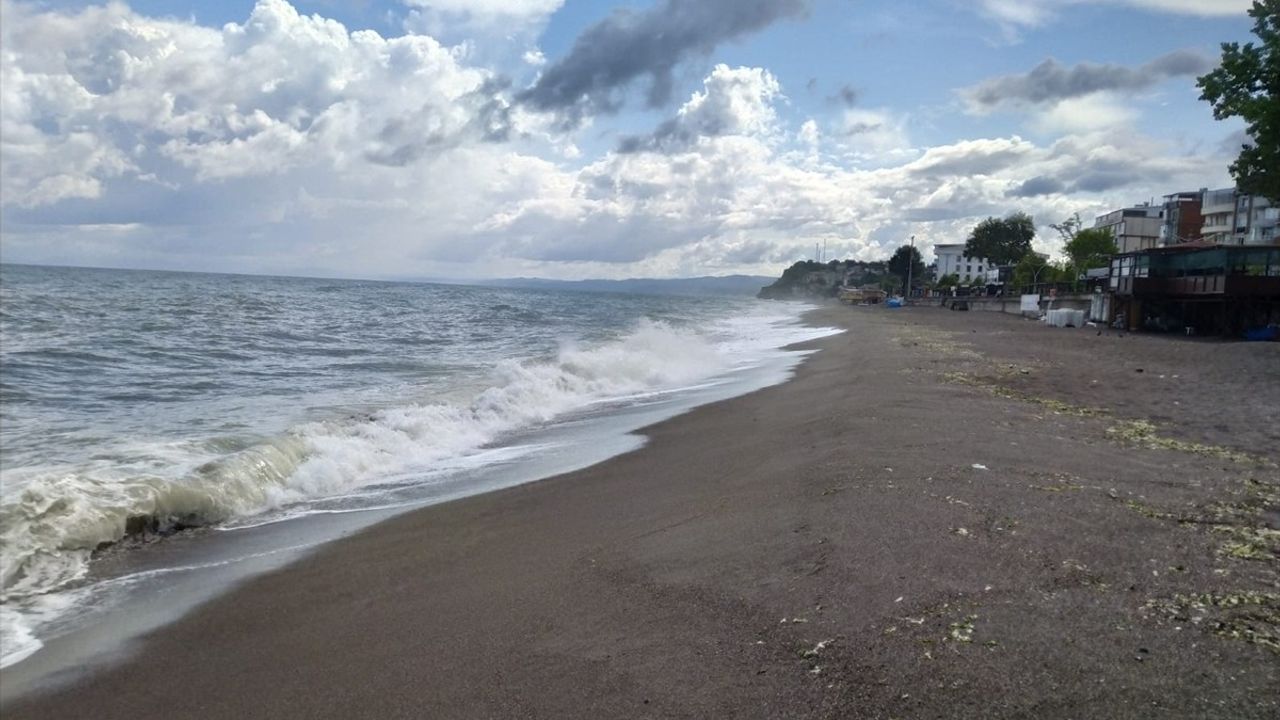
943, 515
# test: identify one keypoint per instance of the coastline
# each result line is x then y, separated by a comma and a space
823, 547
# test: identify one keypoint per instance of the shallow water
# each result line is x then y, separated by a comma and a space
274, 414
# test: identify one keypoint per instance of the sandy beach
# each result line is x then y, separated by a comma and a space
943, 515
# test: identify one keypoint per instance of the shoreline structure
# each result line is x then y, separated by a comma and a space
972, 516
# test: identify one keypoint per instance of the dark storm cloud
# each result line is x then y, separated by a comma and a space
403, 141
1040, 185
1104, 180
1051, 81
630, 45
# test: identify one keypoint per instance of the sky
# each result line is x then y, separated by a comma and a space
409, 139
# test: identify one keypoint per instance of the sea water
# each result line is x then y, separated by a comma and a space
164, 428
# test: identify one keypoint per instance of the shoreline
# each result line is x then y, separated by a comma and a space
827, 546
202, 564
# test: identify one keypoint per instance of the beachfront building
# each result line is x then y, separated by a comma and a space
1235, 218
951, 261
1134, 228
1198, 289
1183, 218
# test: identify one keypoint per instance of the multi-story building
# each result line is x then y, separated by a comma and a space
951, 261
1183, 219
1235, 218
1219, 210
1256, 221
1134, 228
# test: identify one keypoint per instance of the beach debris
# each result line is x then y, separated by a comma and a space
979, 466
962, 532
817, 649
1250, 616
1143, 432
899, 599
815, 670
962, 631
794, 621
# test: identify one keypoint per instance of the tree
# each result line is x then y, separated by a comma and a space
1068, 228
1031, 269
1247, 85
1002, 241
1090, 248
947, 281
899, 263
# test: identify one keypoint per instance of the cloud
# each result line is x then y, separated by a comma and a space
630, 45
1051, 82
287, 143
1036, 13
1039, 185
492, 10
972, 157
106, 93
734, 101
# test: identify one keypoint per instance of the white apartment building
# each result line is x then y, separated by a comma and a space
1134, 228
951, 261
1236, 218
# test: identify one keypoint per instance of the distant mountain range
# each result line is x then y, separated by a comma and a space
720, 285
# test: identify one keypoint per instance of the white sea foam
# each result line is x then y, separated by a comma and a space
51, 526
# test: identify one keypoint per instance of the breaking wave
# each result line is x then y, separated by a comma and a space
52, 526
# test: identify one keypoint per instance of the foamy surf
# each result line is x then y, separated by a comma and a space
62, 515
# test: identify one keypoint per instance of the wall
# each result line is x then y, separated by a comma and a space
1013, 305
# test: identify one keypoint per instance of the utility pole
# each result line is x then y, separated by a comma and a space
911, 261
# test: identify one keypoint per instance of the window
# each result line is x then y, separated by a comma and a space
979, 268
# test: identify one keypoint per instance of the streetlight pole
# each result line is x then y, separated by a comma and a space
911, 261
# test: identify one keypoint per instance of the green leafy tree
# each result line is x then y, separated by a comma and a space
1090, 248
947, 281
1001, 241
1247, 85
1033, 268
904, 257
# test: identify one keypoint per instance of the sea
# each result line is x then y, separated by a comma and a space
166, 435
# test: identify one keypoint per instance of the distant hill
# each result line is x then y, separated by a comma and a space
808, 278
702, 286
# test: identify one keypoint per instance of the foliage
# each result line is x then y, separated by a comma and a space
947, 281
1247, 85
1002, 240
904, 257
1034, 269
1068, 228
799, 279
1091, 248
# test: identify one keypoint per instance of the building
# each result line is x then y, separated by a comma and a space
1198, 288
1183, 219
951, 261
1219, 210
1134, 228
1235, 218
